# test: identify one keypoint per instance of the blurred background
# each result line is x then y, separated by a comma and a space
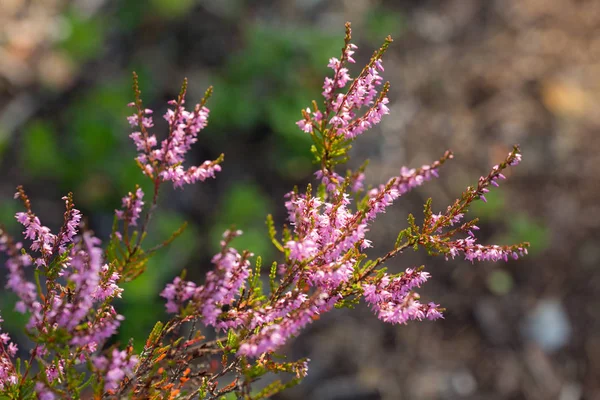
474, 76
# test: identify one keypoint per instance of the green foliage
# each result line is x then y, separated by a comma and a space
523, 227
244, 205
142, 292
171, 8
86, 36
499, 282
279, 71
41, 155
493, 209
381, 22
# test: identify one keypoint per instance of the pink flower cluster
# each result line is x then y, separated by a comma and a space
74, 305
219, 291
321, 266
273, 336
8, 350
394, 302
326, 243
115, 369
132, 207
166, 161
325, 232
475, 251
16, 263
365, 91
43, 241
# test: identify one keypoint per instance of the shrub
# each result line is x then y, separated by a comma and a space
255, 310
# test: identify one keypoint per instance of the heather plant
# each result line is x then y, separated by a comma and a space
255, 306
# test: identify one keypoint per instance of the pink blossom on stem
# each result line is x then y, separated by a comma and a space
184, 126
132, 207
223, 283
108, 284
16, 263
43, 392
474, 251
114, 370
222, 286
275, 335
394, 301
8, 350
177, 294
413, 177
179, 176
71, 224
43, 240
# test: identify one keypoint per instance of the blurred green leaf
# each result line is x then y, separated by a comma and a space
244, 203
282, 114
86, 37
4, 141
8, 208
13, 321
140, 305
381, 22
500, 282
41, 154
523, 228
490, 210
232, 105
245, 206
171, 8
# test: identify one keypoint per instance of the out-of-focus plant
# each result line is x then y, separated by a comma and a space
255, 305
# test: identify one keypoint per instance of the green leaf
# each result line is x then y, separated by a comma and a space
41, 154
86, 35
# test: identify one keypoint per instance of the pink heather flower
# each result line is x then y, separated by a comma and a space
358, 183
222, 286
105, 325
167, 160
43, 240
453, 221
394, 302
516, 160
290, 301
325, 233
334, 64
177, 294
180, 176
408, 179
349, 51
15, 263
332, 180
474, 251
340, 74
273, 336
108, 285
54, 371
71, 225
306, 124
132, 207
364, 92
89, 282
302, 369
8, 350
85, 274
43, 392
113, 371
